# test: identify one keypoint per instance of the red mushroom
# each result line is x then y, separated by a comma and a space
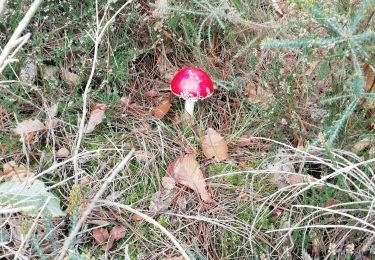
192, 84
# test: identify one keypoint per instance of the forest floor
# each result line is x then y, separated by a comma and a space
99, 161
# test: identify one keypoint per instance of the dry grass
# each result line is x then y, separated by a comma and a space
124, 55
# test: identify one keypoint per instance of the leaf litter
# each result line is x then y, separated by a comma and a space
214, 146
186, 171
284, 173
96, 117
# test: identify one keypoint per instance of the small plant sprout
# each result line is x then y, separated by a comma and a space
192, 84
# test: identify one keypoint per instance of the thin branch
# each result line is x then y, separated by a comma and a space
151, 221
99, 32
17, 33
93, 202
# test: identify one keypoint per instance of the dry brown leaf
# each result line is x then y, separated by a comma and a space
162, 109
96, 117
136, 217
258, 96
361, 145
29, 126
70, 78
117, 232
100, 235
62, 152
243, 197
214, 146
14, 172
186, 171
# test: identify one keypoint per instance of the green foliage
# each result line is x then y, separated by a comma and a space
347, 37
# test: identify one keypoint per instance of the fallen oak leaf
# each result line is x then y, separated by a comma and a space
96, 117
214, 146
186, 171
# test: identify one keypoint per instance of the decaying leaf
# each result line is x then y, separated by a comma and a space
186, 171
14, 172
162, 109
161, 200
117, 232
70, 78
258, 96
362, 145
29, 71
168, 183
100, 235
96, 117
136, 217
283, 172
62, 152
29, 126
214, 146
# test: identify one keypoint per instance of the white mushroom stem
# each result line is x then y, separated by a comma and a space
189, 106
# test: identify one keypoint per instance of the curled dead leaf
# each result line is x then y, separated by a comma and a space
96, 117
162, 109
214, 146
186, 171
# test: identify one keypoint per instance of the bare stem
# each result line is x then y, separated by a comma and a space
189, 106
93, 202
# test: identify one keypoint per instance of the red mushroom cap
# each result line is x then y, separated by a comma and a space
192, 83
